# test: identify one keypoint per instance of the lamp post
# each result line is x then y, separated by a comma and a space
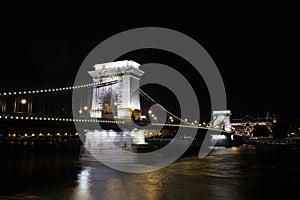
19, 105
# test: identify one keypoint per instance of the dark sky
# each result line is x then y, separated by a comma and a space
255, 46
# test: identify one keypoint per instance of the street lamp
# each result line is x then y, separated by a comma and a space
85, 108
23, 101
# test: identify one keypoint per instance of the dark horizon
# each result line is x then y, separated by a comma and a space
254, 47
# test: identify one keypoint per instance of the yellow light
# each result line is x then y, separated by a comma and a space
85, 108
152, 115
115, 103
234, 148
14, 135
76, 134
32, 134
23, 101
66, 134
150, 111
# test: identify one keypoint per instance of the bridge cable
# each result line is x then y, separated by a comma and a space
163, 108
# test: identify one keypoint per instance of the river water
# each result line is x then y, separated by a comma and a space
52, 171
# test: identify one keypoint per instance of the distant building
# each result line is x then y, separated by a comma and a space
245, 126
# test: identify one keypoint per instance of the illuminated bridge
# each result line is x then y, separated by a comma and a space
112, 99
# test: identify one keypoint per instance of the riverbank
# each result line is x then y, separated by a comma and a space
273, 141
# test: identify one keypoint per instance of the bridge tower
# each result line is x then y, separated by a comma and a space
120, 100
221, 120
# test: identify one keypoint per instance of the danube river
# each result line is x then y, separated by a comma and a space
52, 171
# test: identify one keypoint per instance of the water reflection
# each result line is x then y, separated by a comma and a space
244, 172
82, 191
136, 186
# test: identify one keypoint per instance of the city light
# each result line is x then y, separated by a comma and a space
85, 108
23, 101
218, 137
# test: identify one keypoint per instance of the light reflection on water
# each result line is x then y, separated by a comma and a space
82, 191
244, 172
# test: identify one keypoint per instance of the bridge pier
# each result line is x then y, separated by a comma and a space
112, 146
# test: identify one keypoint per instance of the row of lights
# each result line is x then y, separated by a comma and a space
60, 119
82, 120
52, 90
193, 123
41, 134
152, 115
171, 119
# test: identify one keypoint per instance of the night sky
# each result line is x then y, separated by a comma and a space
255, 46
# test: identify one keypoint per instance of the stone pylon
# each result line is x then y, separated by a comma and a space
117, 100
221, 120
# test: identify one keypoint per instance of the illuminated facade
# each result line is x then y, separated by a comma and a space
245, 126
120, 100
221, 120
